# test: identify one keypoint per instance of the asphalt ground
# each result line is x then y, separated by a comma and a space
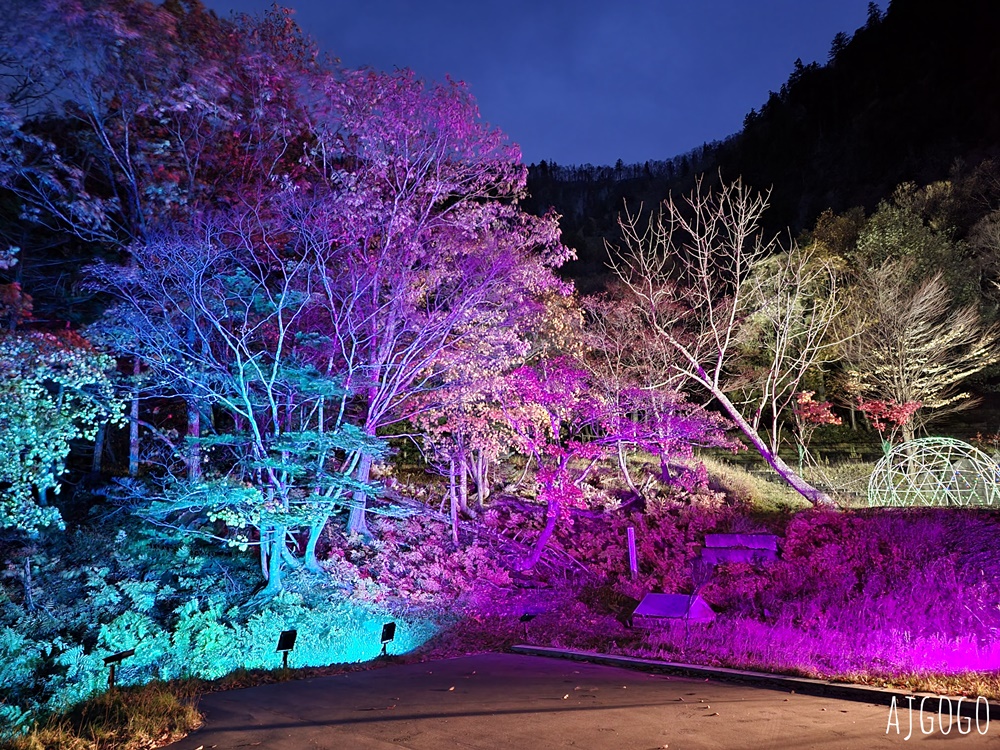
527, 702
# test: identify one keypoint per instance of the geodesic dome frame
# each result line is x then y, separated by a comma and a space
935, 471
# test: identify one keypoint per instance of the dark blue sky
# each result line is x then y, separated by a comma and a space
576, 81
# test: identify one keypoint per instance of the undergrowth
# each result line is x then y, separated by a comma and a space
903, 597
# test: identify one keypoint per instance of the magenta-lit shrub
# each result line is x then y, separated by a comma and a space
668, 536
926, 573
412, 560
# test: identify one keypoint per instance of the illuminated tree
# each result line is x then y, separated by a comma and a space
463, 425
914, 346
703, 271
122, 116
632, 369
222, 315
165, 108
787, 328
809, 416
431, 251
54, 389
561, 418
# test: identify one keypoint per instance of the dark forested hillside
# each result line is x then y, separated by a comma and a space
913, 95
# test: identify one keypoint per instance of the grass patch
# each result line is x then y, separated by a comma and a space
752, 490
882, 659
130, 718
847, 483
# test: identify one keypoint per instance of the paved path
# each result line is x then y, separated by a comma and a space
531, 703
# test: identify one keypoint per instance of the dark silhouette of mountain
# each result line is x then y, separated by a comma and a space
913, 95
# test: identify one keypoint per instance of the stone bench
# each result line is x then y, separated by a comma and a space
745, 548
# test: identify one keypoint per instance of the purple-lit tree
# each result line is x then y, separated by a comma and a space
363, 241
431, 256
124, 116
633, 370
561, 418
463, 426
162, 108
411, 197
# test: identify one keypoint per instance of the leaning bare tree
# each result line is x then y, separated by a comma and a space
712, 286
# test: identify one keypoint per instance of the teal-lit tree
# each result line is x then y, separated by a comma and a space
224, 316
54, 389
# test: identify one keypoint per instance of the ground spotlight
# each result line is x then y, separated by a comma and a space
388, 635
525, 619
286, 642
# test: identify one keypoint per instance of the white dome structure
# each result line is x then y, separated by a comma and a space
935, 471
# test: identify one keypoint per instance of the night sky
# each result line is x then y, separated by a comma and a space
578, 81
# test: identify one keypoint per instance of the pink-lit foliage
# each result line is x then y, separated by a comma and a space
462, 424
810, 415
435, 271
810, 412
568, 426
854, 592
372, 216
412, 564
889, 417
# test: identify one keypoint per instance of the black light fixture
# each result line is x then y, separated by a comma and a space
388, 635
286, 642
525, 619
113, 661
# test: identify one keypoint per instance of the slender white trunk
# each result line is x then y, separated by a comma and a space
452, 494
133, 427
797, 483
483, 479
623, 466
463, 482
194, 449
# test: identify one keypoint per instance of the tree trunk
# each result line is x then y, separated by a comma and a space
274, 559
463, 482
484, 482
96, 463
797, 483
311, 561
133, 427
357, 522
551, 516
194, 449
265, 541
480, 477
623, 466
452, 494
